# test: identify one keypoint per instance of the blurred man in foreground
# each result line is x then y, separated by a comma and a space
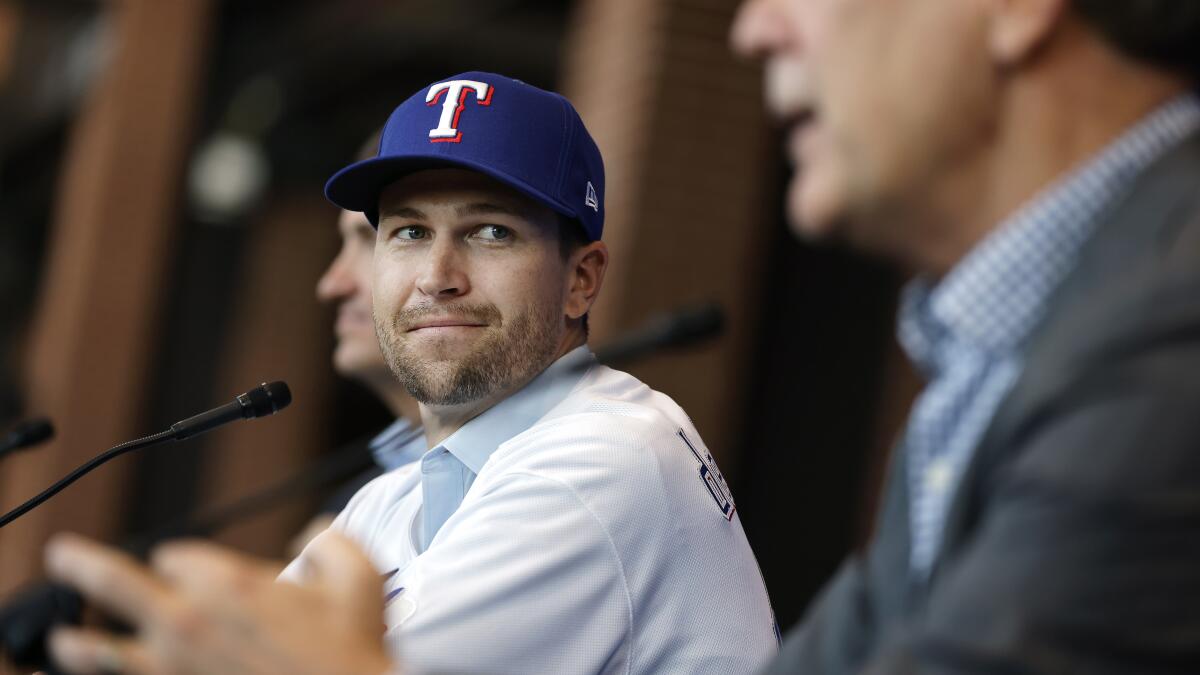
566, 518
1035, 163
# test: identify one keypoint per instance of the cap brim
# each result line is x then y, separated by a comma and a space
357, 187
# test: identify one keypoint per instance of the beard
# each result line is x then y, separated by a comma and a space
506, 356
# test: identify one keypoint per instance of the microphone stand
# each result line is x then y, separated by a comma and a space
25, 620
80, 472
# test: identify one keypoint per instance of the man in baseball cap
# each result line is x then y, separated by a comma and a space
563, 519
566, 517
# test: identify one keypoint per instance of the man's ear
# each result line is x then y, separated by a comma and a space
585, 276
1019, 28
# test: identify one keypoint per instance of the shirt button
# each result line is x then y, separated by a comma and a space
938, 476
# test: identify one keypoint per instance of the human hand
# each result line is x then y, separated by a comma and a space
200, 608
314, 527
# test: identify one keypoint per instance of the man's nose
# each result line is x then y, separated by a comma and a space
337, 282
442, 271
759, 28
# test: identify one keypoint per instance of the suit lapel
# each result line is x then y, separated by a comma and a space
1098, 301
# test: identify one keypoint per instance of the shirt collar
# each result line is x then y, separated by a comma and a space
400, 443
994, 297
476, 440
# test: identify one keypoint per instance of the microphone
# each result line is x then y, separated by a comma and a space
261, 401
675, 329
265, 399
26, 435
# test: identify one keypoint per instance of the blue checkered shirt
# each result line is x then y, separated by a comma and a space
968, 333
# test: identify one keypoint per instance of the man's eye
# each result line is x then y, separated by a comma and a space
410, 232
493, 232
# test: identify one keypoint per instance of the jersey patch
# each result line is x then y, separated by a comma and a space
712, 478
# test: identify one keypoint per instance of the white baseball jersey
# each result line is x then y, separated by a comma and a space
579, 526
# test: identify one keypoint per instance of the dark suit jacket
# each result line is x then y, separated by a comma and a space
1073, 542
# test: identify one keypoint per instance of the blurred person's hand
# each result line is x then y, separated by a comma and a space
200, 608
311, 531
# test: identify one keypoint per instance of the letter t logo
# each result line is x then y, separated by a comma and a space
457, 92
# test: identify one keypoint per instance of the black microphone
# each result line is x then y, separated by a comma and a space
26, 435
265, 399
675, 329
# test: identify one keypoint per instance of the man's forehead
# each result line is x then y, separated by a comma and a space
467, 192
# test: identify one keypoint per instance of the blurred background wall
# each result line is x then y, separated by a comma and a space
162, 229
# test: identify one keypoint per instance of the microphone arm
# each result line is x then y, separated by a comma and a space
679, 328
335, 468
265, 399
80, 472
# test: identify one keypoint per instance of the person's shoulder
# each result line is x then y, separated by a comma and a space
605, 391
611, 429
612, 407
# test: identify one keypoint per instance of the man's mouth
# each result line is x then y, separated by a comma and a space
800, 119
803, 116
447, 322
799, 125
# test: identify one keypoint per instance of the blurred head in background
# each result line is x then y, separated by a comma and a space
916, 125
346, 285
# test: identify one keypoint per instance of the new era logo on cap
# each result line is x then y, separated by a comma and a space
529, 139
590, 198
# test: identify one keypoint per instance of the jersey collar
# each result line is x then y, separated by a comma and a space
476, 440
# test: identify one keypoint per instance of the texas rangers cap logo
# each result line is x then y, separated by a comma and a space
457, 92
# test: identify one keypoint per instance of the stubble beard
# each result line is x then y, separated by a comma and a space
508, 355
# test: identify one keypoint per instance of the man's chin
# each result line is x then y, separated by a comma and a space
446, 350
814, 214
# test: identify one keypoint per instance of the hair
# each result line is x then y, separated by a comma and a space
571, 235
1163, 33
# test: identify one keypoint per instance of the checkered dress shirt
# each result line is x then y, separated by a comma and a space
968, 333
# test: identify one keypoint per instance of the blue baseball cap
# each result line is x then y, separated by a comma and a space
527, 138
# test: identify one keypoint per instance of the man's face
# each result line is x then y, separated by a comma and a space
470, 286
882, 98
347, 284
